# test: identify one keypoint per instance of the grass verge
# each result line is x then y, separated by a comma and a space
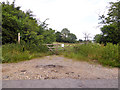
12, 53
106, 55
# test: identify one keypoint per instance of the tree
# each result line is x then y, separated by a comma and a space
43, 24
113, 15
0, 24
110, 34
98, 38
49, 36
80, 40
58, 36
65, 32
86, 36
10, 25
72, 37
65, 36
111, 31
16, 20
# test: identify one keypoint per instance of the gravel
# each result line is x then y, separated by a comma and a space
56, 67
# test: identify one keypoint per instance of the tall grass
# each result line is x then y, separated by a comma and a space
0, 54
17, 52
106, 55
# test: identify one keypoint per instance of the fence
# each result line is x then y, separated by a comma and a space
55, 47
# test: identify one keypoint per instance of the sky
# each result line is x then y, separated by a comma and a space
79, 16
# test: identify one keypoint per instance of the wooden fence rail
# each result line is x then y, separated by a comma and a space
54, 47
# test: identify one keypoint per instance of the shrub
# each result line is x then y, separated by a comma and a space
19, 52
106, 55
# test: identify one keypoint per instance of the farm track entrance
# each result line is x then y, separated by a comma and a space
55, 47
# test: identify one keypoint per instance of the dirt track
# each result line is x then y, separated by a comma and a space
56, 67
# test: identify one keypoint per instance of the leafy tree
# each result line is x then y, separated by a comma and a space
98, 38
72, 37
113, 15
49, 36
65, 36
111, 31
43, 24
15, 20
0, 23
110, 34
9, 23
65, 32
58, 36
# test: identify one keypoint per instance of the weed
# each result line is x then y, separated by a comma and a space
106, 55
18, 52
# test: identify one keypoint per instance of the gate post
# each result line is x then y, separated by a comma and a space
19, 38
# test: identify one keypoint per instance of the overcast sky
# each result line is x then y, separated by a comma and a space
79, 16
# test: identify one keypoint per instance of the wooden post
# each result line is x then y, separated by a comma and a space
56, 49
19, 38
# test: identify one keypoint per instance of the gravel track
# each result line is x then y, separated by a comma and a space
56, 67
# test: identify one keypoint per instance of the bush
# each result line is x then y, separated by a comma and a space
110, 52
19, 52
110, 55
14, 53
106, 55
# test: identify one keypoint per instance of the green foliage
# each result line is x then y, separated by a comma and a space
33, 34
10, 23
0, 23
65, 32
98, 38
106, 55
14, 53
58, 36
49, 36
15, 21
65, 36
109, 34
111, 31
110, 52
0, 54
19, 52
72, 38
